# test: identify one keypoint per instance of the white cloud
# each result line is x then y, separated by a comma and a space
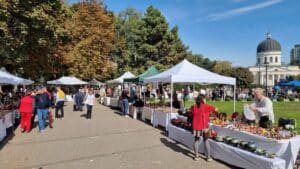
238, 11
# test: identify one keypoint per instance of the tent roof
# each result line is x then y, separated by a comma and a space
186, 72
95, 82
67, 80
121, 78
294, 83
140, 78
8, 78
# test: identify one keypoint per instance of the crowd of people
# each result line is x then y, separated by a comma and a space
41, 102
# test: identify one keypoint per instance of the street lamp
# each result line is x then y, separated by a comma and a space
266, 64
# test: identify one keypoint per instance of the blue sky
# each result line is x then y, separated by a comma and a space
226, 29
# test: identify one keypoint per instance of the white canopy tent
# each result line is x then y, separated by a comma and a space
95, 82
121, 78
67, 80
186, 72
8, 78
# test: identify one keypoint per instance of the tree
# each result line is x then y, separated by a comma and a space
30, 31
223, 68
200, 61
124, 50
92, 33
244, 78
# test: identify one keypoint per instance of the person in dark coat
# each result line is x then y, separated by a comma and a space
42, 103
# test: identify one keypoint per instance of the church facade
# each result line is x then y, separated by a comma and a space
269, 68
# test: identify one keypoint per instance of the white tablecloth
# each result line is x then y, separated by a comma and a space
114, 102
162, 118
242, 158
9, 119
2, 129
147, 114
106, 101
285, 149
227, 153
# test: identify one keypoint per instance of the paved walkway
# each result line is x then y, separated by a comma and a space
108, 141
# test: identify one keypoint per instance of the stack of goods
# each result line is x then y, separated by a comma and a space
220, 119
277, 133
182, 124
245, 145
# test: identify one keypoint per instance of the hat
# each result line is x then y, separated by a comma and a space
202, 92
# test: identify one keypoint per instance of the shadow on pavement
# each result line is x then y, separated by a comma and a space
175, 147
10, 136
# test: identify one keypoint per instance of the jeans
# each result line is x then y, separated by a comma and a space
59, 106
125, 106
42, 116
89, 111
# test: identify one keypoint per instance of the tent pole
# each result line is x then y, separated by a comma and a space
234, 97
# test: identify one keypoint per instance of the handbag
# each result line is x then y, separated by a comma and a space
208, 133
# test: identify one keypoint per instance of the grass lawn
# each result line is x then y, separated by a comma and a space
281, 109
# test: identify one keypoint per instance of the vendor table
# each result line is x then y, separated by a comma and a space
6, 121
147, 114
227, 153
133, 111
162, 118
114, 102
106, 101
284, 149
2, 129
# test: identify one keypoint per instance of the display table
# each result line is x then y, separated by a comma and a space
147, 114
284, 149
106, 101
114, 102
241, 158
229, 154
162, 118
7, 120
2, 129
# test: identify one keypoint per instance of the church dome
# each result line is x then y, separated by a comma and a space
269, 45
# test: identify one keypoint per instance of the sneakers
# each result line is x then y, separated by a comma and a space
209, 159
196, 158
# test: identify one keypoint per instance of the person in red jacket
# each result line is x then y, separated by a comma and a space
200, 119
25, 109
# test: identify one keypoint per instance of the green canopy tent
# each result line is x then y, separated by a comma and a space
140, 78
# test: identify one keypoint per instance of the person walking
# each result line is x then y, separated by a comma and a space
42, 102
90, 101
125, 103
49, 116
200, 119
59, 104
34, 112
26, 110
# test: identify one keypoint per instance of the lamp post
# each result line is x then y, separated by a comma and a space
266, 64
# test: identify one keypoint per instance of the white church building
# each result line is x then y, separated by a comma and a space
269, 63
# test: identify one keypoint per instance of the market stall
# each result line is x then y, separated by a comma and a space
120, 79
186, 72
67, 81
161, 116
276, 142
228, 153
140, 80
147, 114
286, 149
8, 78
